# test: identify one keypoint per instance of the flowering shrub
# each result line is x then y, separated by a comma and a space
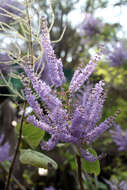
62, 112
77, 125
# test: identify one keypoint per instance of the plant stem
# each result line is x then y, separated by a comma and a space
14, 179
89, 182
17, 148
79, 172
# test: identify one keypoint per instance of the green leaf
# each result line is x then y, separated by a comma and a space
16, 83
37, 159
102, 186
32, 135
91, 167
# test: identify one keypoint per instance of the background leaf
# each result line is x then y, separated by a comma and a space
37, 159
32, 135
91, 167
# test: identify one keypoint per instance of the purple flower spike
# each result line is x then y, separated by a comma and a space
55, 66
78, 120
33, 102
42, 89
98, 131
51, 143
40, 124
94, 103
86, 116
82, 74
87, 156
45, 73
120, 138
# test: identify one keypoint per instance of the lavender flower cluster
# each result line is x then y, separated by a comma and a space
91, 26
120, 138
118, 56
71, 124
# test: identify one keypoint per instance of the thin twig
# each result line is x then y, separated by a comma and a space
30, 32
17, 148
60, 38
10, 86
79, 172
53, 15
14, 178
